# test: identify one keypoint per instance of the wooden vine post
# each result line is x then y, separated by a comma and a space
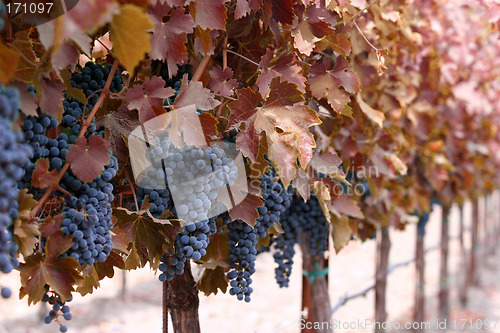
315, 297
463, 259
180, 299
471, 272
444, 278
382, 266
419, 308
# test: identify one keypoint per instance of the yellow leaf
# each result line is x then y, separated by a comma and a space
130, 37
8, 63
341, 233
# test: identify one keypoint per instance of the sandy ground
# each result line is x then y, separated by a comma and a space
278, 310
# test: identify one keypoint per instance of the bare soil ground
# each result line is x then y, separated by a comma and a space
278, 310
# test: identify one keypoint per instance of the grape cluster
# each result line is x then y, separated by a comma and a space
193, 176
87, 216
59, 308
191, 243
93, 78
14, 158
243, 238
304, 217
160, 68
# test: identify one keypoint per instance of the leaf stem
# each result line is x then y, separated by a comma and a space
137, 208
85, 125
243, 57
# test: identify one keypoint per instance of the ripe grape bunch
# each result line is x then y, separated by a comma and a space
14, 158
193, 176
304, 217
59, 308
243, 238
92, 79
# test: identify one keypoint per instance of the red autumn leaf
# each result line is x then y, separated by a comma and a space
339, 43
64, 55
325, 83
221, 81
28, 99
283, 11
247, 209
285, 122
194, 93
61, 274
282, 66
209, 126
52, 95
88, 158
209, 14
148, 98
42, 177
346, 206
169, 39
119, 125
244, 7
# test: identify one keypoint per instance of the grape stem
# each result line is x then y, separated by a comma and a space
201, 68
137, 208
85, 125
224, 65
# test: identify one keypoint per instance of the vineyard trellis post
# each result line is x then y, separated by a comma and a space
382, 262
444, 279
463, 258
315, 297
419, 307
471, 272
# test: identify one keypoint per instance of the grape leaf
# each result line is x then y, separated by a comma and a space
245, 7
247, 209
52, 95
51, 225
304, 39
282, 66
8, 63
26, 67
59, 273
42, 177
339, 43
193, 93
221, 81
149, 238
346, 206
88, 158
129, 32
209, 126
106, 269
89, 282
326, 84
28, 99
66, 54
217, 251
341, 232
25, 233
212, 280
209, 14
148, 98
169, 38
285, 122
119, 125
283, 11
374, 115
